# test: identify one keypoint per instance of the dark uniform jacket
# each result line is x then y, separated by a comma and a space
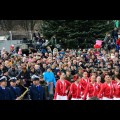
14, 93
36, 94
4, 94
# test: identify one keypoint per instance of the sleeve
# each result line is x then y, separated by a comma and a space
70, 92
86, 92
30, 93
100, 94
114, 89
54, 80
44, 76
56, 90
82, 85
68, 84
44, 95
19, 75
19, 92
9, 92
9, 73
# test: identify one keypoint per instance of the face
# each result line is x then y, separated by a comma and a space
62, 76
72, 67
44, 65
13, 68
4, 83
17, 81
46, 54
50, 60
50, 55
65, 68
74, 62
53, 66
78, 80
36, 82
107, 78
48, 70
98, 79
116, 73
13, 84
85, 74
68, 73
109, 66
6, 73
36, 67
93, 78
94, 74
41, 79
116, 53
116, 79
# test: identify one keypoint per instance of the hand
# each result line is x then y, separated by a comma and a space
18, 98
66, 91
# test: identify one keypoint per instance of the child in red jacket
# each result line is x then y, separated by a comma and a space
75, 89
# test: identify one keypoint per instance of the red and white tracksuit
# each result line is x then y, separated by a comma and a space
106, 91
116, 92
75, 91
91, 90
61, 90
84, 83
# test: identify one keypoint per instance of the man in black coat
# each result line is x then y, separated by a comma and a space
15, 92
37, 92
25, 76
4, 91
13, 72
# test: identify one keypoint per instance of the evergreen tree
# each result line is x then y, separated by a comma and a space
76, 33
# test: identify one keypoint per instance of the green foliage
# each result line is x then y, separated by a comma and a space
76, 32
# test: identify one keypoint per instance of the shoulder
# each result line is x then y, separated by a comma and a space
42, 87
113, 81
58, 81
31, 87
103, 84
73, 84
17, 88
8, 88
44, 73
67, 81
52, 73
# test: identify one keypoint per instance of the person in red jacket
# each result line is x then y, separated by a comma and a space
75, 89
116, 93
62, 88
118, 43
92, 89
98, 80
106, 91
84, 81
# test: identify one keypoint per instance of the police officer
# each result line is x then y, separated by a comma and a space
37, 92
15, 92
4, 91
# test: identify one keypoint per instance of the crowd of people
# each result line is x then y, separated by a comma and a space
62, 74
